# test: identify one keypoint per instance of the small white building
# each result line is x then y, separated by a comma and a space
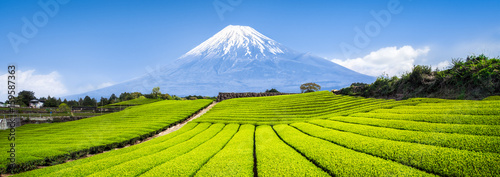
36, 103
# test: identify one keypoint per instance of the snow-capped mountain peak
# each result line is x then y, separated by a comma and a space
238, 42
239, 59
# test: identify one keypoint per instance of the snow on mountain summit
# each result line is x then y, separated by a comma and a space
238, 42
239, 59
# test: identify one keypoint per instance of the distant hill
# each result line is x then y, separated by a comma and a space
475, 78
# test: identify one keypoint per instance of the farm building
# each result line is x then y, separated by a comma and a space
36, 103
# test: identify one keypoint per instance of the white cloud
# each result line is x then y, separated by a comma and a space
106, 84
42, 84
90, 87
443, 65
389, 60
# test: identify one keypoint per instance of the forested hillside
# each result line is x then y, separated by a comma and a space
476, 77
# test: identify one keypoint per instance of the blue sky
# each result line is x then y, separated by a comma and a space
86, 45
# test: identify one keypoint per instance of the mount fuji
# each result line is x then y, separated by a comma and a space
238, 59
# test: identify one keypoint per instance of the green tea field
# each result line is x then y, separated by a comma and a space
311, 134
45, 144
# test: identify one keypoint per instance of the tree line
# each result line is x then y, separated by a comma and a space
24, 97
476, 77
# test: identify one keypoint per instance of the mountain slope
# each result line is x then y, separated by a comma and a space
239, 59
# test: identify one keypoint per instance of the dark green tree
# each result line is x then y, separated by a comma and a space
94, 102
112, 99
24, 97
136, 95
103, 101
125, 96
58, 102
50, 102
273, 90
309, 87
87, 101
72, 103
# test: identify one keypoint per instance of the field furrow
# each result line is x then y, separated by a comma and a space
341, 161
187, 164
275, 158
311, 134
457, 141
470, 129
236, 159
438, 160
145, 163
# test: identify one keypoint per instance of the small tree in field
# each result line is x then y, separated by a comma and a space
156, 93
63, 107
309, 87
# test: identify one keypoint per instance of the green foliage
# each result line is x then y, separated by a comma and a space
435, 118
273, 90
87, 101
156, 93
488, 130
309, 87
457, 141
150, 160
285, 109
166, 96
113, 99
433, 159
341, 161
313, 134
100, 162
276, 157
134, 102
46, 144
194, 97
187, 164
103, 101
63, 107
236, 159
24, 97
496, 97
475, 78
50, 102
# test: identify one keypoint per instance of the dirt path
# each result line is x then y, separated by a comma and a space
167, 131
180, 125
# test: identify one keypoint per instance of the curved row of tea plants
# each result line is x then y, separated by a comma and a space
468, 129
433, 159
457, 141
203, 149
316, 134
135, 102
285, 109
